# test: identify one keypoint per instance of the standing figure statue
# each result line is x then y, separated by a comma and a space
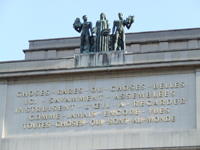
102, 31
118, 35
85, 27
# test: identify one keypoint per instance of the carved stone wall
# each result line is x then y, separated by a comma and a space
158, 71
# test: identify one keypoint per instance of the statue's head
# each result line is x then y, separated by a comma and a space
85, 17
120, 15
103, 16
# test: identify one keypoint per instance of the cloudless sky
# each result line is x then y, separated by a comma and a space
24, 20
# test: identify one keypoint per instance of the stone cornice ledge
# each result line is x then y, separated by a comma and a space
166, 64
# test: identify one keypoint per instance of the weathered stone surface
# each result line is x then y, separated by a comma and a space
138, 42
163, 57
100, 59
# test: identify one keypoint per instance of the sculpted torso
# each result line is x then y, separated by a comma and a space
85, 27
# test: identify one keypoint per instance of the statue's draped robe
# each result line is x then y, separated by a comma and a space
101, 41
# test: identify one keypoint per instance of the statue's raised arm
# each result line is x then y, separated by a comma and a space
77, 25
129, 21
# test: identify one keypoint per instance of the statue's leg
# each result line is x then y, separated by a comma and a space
123, 40
116, 40
88, 42
82, 43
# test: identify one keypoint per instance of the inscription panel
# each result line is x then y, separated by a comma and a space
117, 104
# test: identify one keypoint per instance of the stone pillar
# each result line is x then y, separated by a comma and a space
198, 98
3, 96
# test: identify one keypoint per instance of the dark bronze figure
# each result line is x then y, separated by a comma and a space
118, 31
102, 33
86, 28
104, 41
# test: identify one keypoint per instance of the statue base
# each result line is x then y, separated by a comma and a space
100, 58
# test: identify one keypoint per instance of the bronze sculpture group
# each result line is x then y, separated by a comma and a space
103, 41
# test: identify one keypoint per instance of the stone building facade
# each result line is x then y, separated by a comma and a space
146, 97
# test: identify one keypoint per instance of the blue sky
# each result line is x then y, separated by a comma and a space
23, 20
